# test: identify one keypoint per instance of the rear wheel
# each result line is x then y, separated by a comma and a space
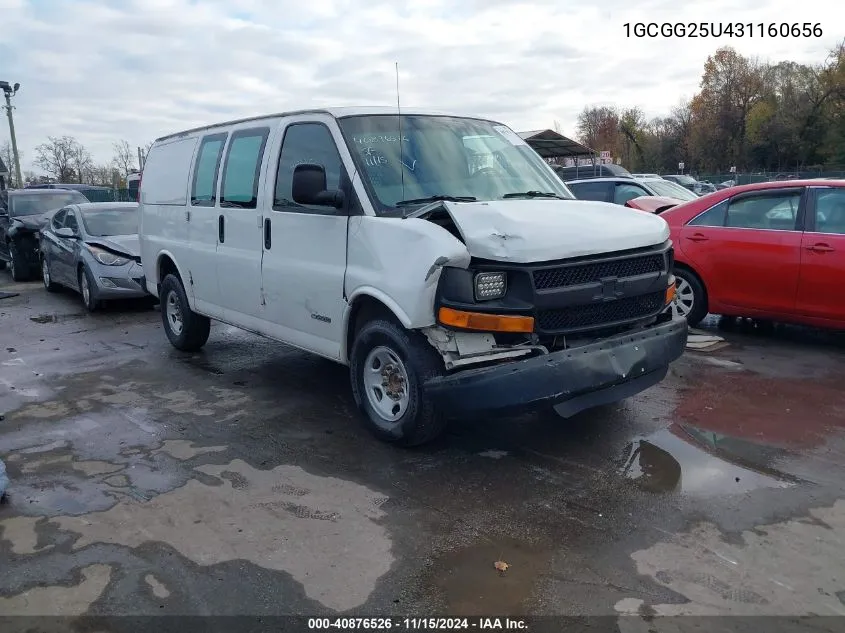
186, 330
690, 297
388, 367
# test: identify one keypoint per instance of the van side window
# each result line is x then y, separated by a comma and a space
204, 187
242, 167
306, 143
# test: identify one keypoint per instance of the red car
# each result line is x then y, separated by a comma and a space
772, 250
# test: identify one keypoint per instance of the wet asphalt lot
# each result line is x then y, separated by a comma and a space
238, 481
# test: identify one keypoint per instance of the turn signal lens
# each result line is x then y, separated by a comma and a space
485, 322
671, 291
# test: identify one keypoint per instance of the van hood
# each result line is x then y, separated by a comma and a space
526, 231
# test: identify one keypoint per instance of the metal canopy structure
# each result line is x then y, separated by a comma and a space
550, 144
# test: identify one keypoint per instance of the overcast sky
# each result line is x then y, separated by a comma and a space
104, 70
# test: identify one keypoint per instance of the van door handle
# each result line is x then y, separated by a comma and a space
221, 228
821, 247
697, 237
267, 234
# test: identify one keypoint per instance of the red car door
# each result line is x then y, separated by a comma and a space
747, 250
820, 289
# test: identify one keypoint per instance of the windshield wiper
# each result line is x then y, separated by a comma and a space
533, 194
403, 203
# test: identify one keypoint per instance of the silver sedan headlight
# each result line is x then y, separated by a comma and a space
490, 286
107, 258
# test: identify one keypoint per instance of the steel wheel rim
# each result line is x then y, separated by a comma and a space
173, 313
86, 290
45, 273
684, 299
386, 384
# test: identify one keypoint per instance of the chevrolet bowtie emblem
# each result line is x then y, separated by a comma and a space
611, 289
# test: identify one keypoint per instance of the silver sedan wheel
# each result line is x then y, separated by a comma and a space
684, 299
386, 383
86, 289
173, 313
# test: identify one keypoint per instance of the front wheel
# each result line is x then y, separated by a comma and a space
88, 290
17, 265
46, 277
388, 367
690, 297
186, 330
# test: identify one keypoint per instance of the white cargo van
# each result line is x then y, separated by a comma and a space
439, 257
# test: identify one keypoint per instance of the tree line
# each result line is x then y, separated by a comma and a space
748, 114
65, 159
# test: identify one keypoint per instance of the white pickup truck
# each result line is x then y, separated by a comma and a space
438, 256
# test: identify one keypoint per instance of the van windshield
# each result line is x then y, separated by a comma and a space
444, 156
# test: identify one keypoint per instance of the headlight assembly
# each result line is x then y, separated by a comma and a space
107, 258
490, 286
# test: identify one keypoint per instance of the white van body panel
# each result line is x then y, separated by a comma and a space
399, 262
524, 231
162, 227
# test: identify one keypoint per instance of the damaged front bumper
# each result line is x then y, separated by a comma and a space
571, 380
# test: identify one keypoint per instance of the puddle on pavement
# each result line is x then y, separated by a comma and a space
89, 462
471, 585
57, 318
785, 412
689, 460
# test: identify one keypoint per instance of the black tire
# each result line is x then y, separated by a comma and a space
421, 422
2, 264
195, 328
699, 296
89, 299
19, 267
47, 277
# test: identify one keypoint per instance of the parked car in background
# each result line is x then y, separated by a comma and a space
133, 182
590, 171
26, 211
653, 204
93, 249
94, 193
771, 250
620, 190
646, 175
725, 185
690, 183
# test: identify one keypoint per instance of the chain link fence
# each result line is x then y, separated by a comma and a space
110, 195
745, 179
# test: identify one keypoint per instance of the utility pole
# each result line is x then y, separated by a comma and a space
10, 91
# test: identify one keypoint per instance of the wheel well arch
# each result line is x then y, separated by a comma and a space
166, 265
362, 309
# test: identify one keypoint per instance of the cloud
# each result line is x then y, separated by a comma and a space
105, 70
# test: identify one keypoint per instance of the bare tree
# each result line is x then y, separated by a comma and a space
144, 151
102, 175
124, 157
8, 157
59, 156
83, 163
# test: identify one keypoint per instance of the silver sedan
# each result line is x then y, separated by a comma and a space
93, 249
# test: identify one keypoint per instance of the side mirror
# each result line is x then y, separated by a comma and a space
309, 187
65, 232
